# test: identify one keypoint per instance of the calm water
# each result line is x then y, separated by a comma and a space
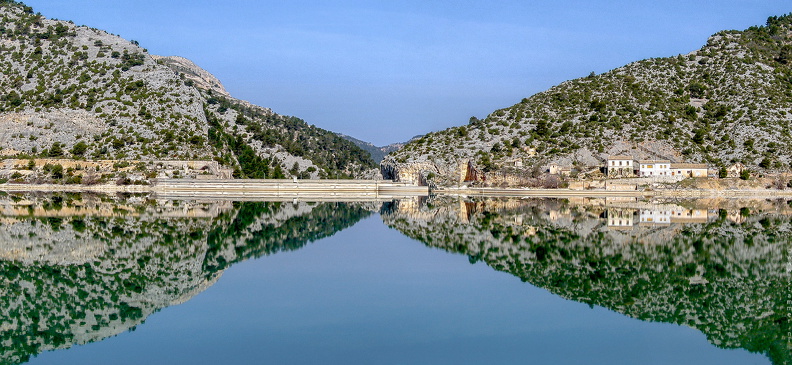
97, 280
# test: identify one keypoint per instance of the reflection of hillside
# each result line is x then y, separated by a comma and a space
74, 279
261, 228
725, 278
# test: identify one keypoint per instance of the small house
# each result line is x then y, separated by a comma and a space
654, 168
689, 169
621, 166
556, 169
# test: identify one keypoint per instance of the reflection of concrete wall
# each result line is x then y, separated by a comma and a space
26, 208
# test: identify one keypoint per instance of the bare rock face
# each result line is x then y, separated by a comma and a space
417, 173
200, 77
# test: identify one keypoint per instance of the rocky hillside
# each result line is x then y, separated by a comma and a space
730, 101
79, 92
199, 77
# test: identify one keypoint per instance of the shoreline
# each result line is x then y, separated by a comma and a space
569, 193
243, 189
378, 189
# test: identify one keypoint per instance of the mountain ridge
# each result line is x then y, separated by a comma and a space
725, 103
83, 93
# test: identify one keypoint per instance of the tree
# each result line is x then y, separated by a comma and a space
14, 99
765, 163
785, 54
79, 149
541, 128
56, 150
745, 174
697, 90
723, 172
57, 171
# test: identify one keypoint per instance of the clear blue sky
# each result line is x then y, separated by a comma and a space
386, 71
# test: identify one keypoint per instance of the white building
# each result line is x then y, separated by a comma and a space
622, 166
654, 168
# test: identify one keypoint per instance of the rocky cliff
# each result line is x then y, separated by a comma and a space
199, 77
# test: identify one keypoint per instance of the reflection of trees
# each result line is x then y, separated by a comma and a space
254, 229
724, 278
69, 278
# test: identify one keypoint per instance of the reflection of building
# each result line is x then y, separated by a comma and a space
689, 215
655, 216
736, 216
621, 218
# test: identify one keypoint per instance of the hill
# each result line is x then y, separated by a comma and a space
728, 102
377, 153
79, 92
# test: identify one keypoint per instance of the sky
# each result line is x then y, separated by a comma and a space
386, 71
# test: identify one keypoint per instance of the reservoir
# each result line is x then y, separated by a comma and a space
129, 279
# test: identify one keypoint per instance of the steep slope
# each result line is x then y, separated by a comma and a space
728, 102
79, 92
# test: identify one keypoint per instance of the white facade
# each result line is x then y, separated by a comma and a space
623, 166
654, 168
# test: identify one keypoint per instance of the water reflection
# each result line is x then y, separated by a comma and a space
718, 266
79, 268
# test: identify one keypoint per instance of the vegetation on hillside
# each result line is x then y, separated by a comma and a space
78, 92
730, 101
